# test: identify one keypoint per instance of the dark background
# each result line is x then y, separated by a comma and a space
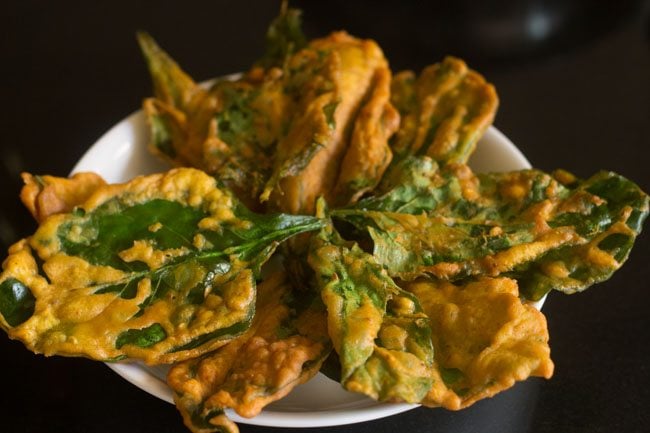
574, 83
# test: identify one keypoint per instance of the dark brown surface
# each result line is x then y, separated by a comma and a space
577, 97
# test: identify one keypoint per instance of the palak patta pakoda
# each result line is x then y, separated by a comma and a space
484, 338
161, 269
332, 77
452, 224
285, 346
380, 333
207, 129
309, 120
445, 110
419, 276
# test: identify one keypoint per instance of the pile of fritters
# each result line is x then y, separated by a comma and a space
391, 263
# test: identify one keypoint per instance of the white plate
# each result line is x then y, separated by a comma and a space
121, 154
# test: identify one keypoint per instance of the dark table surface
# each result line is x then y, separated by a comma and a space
574, 84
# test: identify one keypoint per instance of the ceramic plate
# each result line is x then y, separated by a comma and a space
121, 154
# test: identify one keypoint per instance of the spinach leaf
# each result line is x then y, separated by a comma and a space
609, 224
284, 37
180, 114
16, 302
144, 337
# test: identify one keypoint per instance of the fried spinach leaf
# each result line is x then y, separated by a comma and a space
368, 154
327, 83
284, 347
284, 37
180, 113
380, 333
609, 227
452, 224
161, 268
223, 130
484, 337
445, 110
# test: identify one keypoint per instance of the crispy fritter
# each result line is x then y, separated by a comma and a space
284, 347
484, 338
225, 130
451, 223
368, 154
445, 111
181, 116
315, 122
330, 78
380, 333
161, 268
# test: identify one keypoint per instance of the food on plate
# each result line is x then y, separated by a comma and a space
210, 129
379, 331
284, 347
445, 110
313, 122
452, 224
331, 77
161, 269
405, 275
484, 338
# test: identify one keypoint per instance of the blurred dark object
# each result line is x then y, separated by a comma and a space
485, 30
